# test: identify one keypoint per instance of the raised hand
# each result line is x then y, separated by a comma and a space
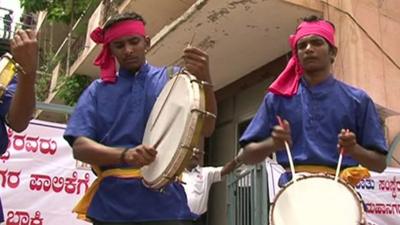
24, 49
196, 62
347, 141
281, 134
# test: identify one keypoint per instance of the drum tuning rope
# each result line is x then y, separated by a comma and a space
288, 151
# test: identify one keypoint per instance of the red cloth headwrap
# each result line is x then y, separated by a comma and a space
287, 82
105, 60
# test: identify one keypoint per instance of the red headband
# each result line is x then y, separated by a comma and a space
287, 82
105, 60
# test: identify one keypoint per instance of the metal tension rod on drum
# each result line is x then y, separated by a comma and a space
202, 83
204, 113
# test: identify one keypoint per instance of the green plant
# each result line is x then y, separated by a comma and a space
57, 10
42, 86
72, 87
44, 75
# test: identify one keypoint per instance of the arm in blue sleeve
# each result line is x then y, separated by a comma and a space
370, 133
83, 120
261, 125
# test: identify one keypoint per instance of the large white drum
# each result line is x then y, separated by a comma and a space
317, 200
174, 129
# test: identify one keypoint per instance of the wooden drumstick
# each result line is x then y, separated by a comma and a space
191, 40
340, 160
165, 131
179, 61
280, 121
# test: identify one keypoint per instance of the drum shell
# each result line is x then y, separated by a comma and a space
318, 192
189, 139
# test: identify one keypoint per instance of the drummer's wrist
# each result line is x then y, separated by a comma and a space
122, 157
354, 151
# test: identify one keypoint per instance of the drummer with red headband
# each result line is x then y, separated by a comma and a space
107, 127
321, 114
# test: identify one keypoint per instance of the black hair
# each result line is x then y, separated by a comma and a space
314, 18
122, 17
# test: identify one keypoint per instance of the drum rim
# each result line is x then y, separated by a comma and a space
186, 143
320, 175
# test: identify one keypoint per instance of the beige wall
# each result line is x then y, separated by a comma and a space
360, 61
363, 63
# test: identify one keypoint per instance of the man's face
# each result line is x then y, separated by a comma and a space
130, 51
314, 53
195, 159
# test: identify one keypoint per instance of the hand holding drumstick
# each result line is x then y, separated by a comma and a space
347, 141
285, 125
281, 134
139, 156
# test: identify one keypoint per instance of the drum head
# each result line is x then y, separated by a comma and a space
317, 200
167, 125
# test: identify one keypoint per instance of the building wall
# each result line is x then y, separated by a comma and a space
364, 63
366, 31
369, 53
237, 103
232, 110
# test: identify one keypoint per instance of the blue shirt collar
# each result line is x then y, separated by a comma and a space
127, 74
324, 86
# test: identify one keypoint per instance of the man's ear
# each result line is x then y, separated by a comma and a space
148, 42
333, 52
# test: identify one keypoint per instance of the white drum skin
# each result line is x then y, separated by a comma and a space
174, 126
317, 200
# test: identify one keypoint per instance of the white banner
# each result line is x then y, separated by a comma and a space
40, 181
381, 193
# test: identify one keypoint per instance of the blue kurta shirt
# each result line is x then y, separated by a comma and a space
4, 106
316, 116
116, 115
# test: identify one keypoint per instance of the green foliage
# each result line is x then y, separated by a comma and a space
43, 79
72, 87
43, 86
57, 10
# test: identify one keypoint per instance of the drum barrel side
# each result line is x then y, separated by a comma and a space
196, 118
189, 140
356, 197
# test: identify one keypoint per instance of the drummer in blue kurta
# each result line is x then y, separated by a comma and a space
107, 127
321, 114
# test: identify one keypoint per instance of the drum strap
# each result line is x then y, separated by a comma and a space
83, 205
352, 175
